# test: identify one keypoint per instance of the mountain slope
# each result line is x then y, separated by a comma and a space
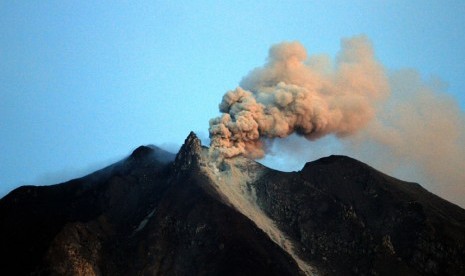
190, 214
348, 218
147, 214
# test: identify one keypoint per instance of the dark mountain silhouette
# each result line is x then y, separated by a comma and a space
155, 213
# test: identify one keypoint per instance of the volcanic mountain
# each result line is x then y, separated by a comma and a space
156, 213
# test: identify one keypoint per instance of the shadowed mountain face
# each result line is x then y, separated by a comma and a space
155, 213
348, 218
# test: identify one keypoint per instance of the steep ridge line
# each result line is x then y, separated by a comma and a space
232, 180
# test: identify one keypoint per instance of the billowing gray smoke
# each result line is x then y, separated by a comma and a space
296, 94
389, 120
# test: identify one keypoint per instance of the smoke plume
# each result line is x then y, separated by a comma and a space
395, 121
422, 127
296, 94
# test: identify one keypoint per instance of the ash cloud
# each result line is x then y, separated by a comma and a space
422, 127
396, 121
296, 94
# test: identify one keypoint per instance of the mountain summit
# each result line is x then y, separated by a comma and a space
156, 213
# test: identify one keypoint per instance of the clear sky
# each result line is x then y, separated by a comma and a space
82, 83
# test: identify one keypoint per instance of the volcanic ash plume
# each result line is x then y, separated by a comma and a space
292, 93
422, 127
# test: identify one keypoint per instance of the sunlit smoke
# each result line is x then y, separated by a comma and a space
422, 127
396, 121
296, 94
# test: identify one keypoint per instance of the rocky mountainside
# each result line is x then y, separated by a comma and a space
155, 213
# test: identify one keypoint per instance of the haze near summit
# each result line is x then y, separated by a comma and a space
398, 117
83, 84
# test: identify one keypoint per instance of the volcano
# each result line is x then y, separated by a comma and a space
156, 213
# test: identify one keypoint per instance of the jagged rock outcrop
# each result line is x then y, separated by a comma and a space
156, 213
189, 155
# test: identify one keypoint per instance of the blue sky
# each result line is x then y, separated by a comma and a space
82, 84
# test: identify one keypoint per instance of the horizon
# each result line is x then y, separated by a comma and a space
83, 85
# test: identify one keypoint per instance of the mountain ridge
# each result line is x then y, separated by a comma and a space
193, 214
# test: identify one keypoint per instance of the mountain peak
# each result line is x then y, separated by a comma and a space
336, 216
192, 139
190, 152
142, 151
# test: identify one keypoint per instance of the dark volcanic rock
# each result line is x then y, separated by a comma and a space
155, 213
145, 215
351, 219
